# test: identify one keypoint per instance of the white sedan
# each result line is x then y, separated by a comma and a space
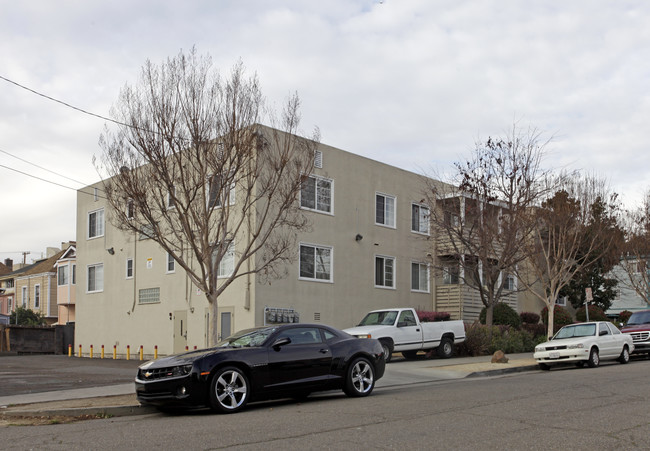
585, 343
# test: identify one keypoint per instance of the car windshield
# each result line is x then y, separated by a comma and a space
384, 318
578, 330
247, 338
639, 318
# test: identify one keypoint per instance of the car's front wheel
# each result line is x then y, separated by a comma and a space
360, 378
594, 359
544, 366
229, 390
625, 355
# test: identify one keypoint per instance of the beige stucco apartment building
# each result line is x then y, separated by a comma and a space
369, 247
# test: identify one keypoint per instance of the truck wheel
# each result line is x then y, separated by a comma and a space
446, 348
387, 351
409, 355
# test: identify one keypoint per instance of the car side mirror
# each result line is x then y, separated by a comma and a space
277, 344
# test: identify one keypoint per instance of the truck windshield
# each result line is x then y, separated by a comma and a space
386, 318
639, 318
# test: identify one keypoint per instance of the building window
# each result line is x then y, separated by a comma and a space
419, 277
129, 268
96, 223
384, 272
171, 202
419, 219
561, 301
37, 296
451, 219
149, 296
95, 278
9, 304
510, 283
318, 159
217, 193
25, 300
316, 194
315, 263
130, 209
227, 263
450, 274
95, 194
171, 263
63, 276
74, 274
385, 210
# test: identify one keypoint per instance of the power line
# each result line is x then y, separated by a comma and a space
48, 181
41, 167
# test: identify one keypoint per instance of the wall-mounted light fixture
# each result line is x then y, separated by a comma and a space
111, 251
359, 237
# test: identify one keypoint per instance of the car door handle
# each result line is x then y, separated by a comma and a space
324, 351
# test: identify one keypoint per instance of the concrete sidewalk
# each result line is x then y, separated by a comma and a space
120, 400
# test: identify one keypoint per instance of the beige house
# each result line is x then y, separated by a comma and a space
66, 270
369, 247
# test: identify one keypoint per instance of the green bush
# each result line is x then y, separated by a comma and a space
27, 317
595, 314
477, 340
504, 338
561, 317
503, 315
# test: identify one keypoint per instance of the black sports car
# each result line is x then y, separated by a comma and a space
270, 362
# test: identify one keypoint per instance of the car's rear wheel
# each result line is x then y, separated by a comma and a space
388, 350
229, 390
625, 355
409, 355
446, 348
594, 359
544, 366
360, 378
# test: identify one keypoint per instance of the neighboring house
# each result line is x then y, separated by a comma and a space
36, 285
7, 291
66, 279
369, 247
626, 298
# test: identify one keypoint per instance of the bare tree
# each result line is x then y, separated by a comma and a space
191, 168
481, 215
636, 250
568, 236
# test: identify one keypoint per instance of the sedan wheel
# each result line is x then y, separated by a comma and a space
360, 379
594, 359
229, 390
625, 355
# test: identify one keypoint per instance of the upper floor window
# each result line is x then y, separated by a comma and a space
385, 210
171, 198
96, 223
316, 194
171, 263
95, 194
419, 277
130, 209
9, 304
37, 296
510, 283
315, 262
25, 300
95, 278
217, 193
74, 274
63, 276
318, 159
384, 272
129, 268
227, 263
451, 274
419, 218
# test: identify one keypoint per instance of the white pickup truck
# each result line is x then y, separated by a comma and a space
400, 330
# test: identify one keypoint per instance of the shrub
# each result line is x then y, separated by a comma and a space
477, 340
503, 315
429, 317
504, 338
595, 314
561, 317
511, 340
624, 316
529, 317
27, 317
536, 330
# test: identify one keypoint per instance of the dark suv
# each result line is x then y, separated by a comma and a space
639, 327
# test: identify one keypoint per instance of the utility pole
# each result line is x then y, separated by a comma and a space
25, 254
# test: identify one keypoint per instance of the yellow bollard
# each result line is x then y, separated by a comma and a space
102, 351
114, 352
141, 353
69, 350
80, 351
128, 352
155, 352
91, 351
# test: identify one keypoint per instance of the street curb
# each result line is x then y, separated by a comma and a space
109, 411
516, 369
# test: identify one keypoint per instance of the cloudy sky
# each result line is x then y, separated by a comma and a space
412, 83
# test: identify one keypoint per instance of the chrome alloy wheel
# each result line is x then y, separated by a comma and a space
362, 376
231, 389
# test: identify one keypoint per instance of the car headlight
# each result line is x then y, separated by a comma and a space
181, 370
577, 346
539, 348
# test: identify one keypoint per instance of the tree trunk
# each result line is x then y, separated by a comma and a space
213, 333
550, 331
